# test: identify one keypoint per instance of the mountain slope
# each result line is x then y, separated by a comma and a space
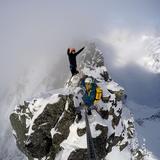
46, 128
147, 126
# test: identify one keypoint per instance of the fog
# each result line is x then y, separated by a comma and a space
35, 36
124, 52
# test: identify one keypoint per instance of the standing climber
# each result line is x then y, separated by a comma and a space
72, 59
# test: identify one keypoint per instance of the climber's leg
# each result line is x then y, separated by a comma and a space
89, 111
78, 113
73, 70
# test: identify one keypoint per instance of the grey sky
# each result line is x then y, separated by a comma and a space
33, 30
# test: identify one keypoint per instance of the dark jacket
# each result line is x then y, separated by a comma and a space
72, 58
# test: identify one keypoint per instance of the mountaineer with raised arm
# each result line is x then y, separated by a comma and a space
72, 54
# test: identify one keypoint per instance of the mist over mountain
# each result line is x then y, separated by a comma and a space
35, 36
47, 127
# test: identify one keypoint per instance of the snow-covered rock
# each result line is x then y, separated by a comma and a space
152, 58
147, 120
45, 128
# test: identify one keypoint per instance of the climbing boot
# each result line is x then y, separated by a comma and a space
79, 117
89, 112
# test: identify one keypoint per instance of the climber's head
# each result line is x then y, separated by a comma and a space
73, 50
88, 83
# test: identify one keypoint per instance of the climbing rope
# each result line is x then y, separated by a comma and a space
90, 144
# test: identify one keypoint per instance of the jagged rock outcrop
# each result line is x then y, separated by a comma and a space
46, 128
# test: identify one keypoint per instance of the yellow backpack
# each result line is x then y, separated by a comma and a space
99, 93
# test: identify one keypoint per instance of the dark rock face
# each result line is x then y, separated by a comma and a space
106, 77
130, 130
40, 142
19, 126
123, 146
112, 141
41, 138
81, 132
80, 154
104, 113
100, 142
63, 128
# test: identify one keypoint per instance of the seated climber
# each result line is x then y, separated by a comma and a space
90, 94
88, 97
71, 52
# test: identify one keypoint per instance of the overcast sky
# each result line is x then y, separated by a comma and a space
37, 32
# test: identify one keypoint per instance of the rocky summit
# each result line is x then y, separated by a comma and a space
45, 128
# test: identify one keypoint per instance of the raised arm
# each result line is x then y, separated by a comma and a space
79, 51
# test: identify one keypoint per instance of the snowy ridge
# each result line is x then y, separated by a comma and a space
45, 128
74, 141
